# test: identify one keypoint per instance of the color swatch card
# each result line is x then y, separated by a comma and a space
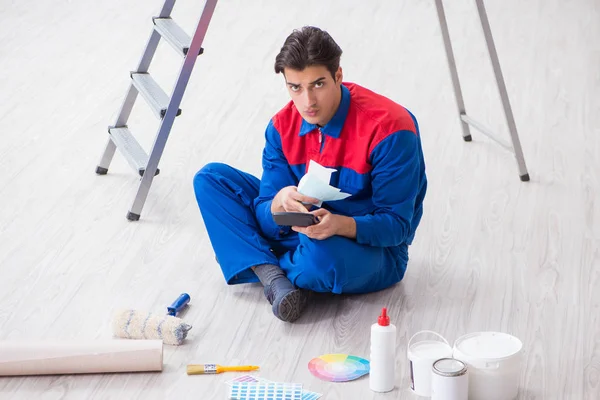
265, 391
245, 378
306, 395
310, 395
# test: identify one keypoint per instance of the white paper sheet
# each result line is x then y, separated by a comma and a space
315, 183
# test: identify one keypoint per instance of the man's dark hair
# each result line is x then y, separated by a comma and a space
306, 47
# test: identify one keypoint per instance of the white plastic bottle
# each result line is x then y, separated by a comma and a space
383, 354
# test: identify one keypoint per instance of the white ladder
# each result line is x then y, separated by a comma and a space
164, 107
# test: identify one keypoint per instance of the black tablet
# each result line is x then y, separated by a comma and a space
294, 219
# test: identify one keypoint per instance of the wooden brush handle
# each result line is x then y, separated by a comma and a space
200, 369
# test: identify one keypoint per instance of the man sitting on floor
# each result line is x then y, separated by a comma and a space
360, 243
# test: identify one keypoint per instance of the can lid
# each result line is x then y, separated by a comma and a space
487, 345
449, 367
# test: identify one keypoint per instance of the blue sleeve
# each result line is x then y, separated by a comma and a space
396, 180
277, 174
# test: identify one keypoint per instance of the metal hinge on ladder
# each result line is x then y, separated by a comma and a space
165, 107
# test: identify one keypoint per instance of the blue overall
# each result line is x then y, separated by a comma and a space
226, 196
374, 146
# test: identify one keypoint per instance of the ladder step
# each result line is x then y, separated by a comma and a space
152, 92
173, 34
130, 148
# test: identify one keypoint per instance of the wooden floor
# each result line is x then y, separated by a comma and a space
492, 253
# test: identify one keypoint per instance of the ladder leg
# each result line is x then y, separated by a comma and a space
109, 152
148, 176
127, 106
453, 71
510, 120
124, 113
167, 122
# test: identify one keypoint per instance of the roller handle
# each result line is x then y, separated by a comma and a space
178, 304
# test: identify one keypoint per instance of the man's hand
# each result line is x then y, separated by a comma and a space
290, 200
329, 225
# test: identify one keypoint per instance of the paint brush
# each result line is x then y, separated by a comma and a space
201, 369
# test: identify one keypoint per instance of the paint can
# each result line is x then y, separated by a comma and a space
450, 380
421, 356
494, 360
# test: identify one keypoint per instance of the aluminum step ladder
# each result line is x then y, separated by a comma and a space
515, 146
164, 107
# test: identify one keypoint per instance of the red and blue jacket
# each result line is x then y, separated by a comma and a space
373, 143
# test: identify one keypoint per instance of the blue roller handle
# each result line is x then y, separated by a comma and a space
178, 304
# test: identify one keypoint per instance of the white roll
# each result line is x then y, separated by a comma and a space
51, 357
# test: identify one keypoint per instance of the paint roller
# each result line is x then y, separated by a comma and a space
136, 324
